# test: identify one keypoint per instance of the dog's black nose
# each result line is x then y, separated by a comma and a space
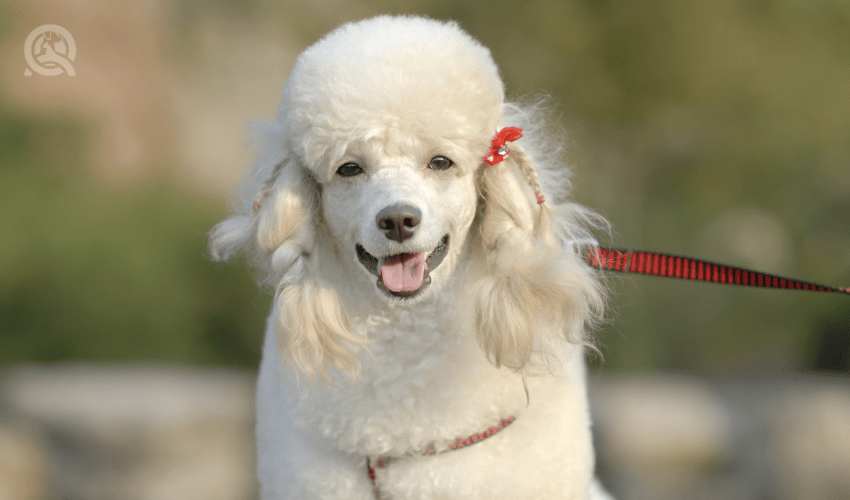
398, 221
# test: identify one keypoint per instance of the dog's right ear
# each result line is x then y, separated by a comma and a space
278, 233
274, 218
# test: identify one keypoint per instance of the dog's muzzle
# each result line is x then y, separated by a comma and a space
404, 275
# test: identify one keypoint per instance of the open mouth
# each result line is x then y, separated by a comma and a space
404, 275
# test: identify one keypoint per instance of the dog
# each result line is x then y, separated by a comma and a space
429, 321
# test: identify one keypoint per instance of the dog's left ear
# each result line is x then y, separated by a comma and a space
531, 286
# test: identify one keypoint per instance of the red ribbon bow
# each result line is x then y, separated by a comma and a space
499, 150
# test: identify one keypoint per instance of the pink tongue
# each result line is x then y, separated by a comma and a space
403, 273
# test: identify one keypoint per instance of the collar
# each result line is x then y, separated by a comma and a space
383, 461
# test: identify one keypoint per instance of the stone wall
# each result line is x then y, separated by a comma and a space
126, 432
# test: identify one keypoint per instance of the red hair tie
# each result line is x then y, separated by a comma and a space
499, 150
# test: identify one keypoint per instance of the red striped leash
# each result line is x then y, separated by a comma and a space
672, 266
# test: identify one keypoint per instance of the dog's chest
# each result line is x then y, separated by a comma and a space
426, 382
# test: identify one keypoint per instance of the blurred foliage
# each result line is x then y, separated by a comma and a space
713, 129
92, 273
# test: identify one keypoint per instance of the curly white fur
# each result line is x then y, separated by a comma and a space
498, 332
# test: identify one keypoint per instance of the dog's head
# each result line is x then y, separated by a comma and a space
374, 170
390, 118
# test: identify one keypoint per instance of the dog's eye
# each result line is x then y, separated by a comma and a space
349, 170
440, 163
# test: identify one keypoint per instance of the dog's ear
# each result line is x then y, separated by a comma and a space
532, 288
278, 232
280, 237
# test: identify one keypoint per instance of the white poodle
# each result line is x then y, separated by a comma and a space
426, 289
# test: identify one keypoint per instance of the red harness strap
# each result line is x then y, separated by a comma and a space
381, 462
671, 266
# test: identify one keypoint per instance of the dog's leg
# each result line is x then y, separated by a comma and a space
290, 464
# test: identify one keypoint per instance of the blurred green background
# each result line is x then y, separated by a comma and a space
716, 129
